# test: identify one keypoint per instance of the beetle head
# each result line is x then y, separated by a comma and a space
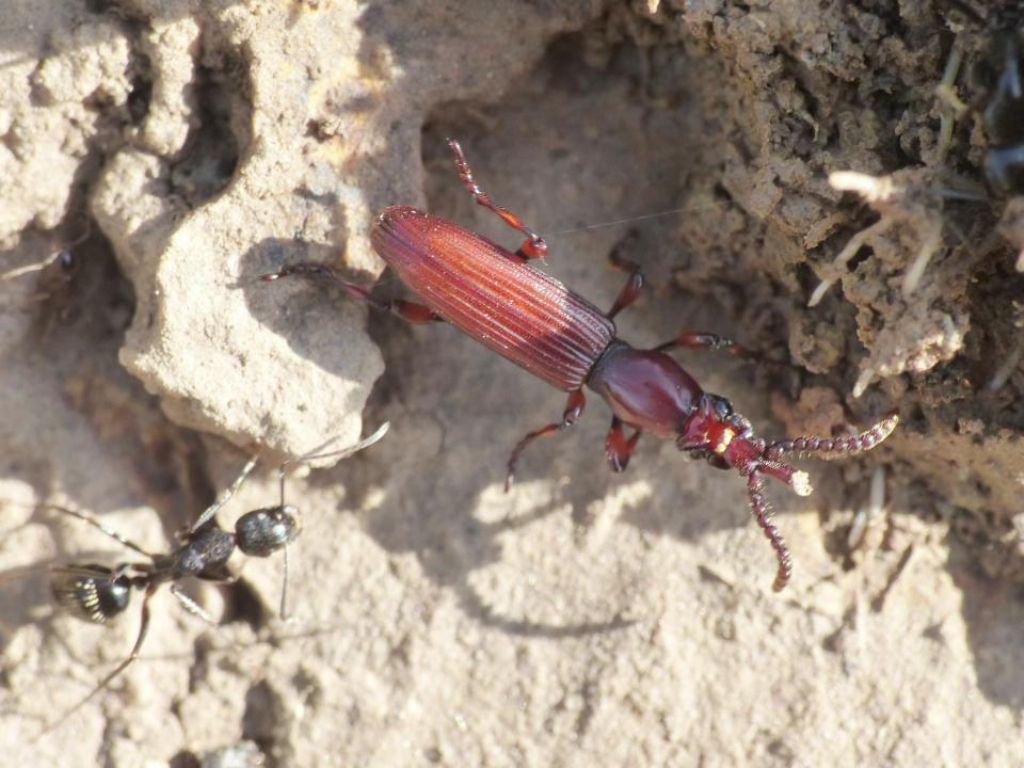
726, 440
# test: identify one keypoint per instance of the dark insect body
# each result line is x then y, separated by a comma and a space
98, 593
501, 300
55, 273
1003, 117
997, 80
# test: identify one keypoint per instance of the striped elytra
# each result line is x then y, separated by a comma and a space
520, 312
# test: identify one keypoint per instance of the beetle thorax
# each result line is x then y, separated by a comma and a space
646, 389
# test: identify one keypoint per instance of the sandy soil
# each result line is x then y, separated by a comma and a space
180, 149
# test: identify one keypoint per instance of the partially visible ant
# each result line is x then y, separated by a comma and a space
97, 593
1003, 117
1001, 99
56, 271
62, 263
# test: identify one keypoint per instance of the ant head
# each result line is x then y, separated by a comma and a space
262, 532
65, 259
91, 592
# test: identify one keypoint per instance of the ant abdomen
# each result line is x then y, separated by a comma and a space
91, 592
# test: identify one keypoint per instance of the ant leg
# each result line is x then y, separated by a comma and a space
617, 449
573, 410
534, 246
634, 283
100, 526
763, 514
212, 510
191, 605
707, 341
407, 310
132, 657
283, 608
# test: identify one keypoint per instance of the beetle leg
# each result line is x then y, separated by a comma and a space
705, 341
573, 410
409, 311
634, 283
534, 246
617, 449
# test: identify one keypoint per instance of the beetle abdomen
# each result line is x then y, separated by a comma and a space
521, 313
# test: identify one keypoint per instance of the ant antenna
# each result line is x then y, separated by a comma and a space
341, 453
313, 455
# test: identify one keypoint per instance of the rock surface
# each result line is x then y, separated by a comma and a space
180, 149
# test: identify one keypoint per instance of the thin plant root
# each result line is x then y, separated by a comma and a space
1016, 354
897, 204
932, 244
875, 190
857, 242
954, 106
869, 517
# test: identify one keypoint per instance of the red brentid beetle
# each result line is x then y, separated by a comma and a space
532, 319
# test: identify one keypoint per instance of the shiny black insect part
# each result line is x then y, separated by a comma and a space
62, 261
96, 593
56, 271
91, 592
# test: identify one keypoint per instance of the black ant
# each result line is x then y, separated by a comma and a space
999, 83
57, 270
97, 593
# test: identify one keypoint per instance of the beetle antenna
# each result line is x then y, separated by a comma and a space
834, 447
763, 514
